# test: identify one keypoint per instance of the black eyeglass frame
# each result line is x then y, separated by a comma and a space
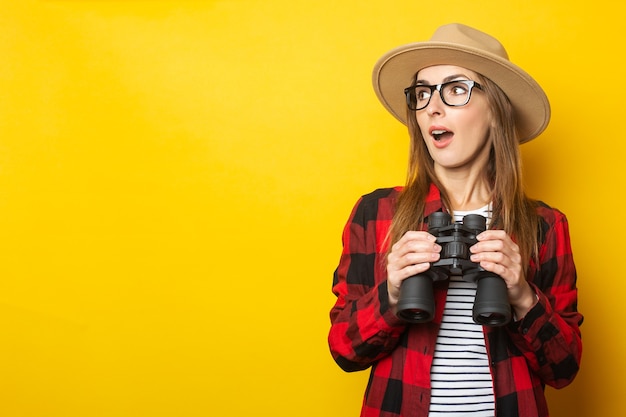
439, 87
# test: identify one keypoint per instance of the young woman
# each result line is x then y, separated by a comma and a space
467, 108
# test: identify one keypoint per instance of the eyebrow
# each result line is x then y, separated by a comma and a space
445, 80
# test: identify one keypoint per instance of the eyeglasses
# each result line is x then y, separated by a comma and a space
454, 93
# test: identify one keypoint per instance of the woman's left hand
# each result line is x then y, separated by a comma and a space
496, 252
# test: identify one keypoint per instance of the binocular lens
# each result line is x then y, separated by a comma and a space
415, 315
490, 319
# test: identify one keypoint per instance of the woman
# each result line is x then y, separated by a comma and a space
467, 108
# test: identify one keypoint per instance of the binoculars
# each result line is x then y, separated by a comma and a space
416, 303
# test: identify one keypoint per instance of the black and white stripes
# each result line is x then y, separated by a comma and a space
461, 381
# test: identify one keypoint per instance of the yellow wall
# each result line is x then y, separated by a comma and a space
174, 177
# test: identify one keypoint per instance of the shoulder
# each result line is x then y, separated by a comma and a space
378, 205
551, 219
381, 194
548, 214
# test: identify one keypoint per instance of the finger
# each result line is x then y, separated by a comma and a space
396, 262
505, 245
411, 270
507, 268
492, 257
498, 269
492, 234
417, 236
404, 247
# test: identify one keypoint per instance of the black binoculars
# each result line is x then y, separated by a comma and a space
416, 303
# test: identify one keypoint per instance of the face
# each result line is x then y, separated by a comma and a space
456, 137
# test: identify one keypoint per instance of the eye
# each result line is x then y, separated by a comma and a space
457, 88
422, 93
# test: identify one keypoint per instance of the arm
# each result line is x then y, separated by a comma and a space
549, 335
363, 327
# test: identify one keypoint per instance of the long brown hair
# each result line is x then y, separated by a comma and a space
512, 210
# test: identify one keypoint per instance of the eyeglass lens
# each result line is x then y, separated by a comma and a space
454, 93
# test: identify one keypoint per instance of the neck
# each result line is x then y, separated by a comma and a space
466, 191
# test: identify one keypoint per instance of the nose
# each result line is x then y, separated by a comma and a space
435, 105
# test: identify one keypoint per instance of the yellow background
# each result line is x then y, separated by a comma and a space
175, 175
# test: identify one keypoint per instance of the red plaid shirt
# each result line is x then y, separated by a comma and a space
543, 348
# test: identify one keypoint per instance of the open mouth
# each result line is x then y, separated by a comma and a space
440, 134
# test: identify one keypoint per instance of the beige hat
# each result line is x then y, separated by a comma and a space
461, 45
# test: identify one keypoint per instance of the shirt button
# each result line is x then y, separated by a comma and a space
525, 330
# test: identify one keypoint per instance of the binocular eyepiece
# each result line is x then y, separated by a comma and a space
416, 303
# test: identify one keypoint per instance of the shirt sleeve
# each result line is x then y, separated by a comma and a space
363, 328
549, 335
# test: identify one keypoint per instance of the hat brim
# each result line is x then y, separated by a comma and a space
395, 70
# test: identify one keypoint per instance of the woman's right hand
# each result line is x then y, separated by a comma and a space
410, 255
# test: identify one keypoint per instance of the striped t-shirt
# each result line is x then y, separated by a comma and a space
460, 376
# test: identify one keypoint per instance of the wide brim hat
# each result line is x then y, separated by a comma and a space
463, 46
